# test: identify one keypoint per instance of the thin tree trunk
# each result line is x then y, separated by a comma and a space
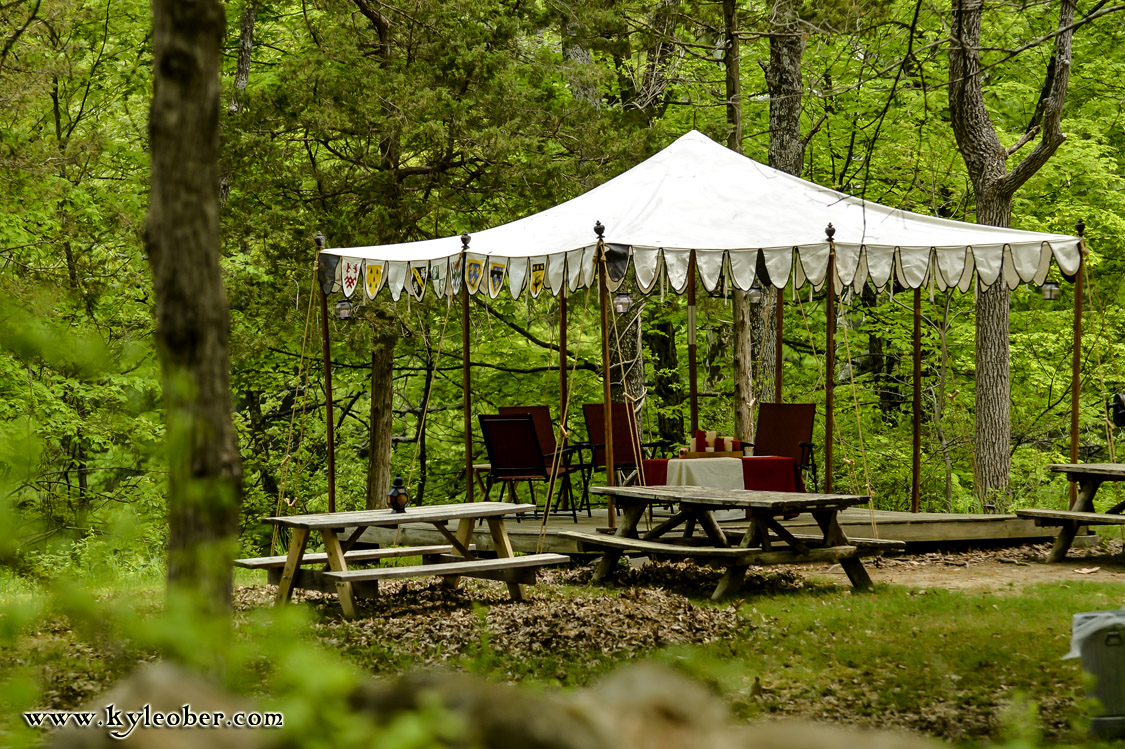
245, 52
382, 391
993, 186
667, 383
193, 322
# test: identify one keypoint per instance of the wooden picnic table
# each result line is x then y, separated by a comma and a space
766, 540
451, 561
1088, 476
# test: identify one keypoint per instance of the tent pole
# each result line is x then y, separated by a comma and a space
777, 391
563, 385
829, 359
329, 430
692, 362
466, 380
607, 373
1076, 359
916, 453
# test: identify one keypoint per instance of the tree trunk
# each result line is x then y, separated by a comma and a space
245, 52
740, 301
993, 186
382, 392
193, 321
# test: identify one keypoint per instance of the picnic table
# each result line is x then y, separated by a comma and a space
766, 540
452, 560
1088, 476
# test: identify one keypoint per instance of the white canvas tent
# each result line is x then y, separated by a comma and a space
698, 195
697, 200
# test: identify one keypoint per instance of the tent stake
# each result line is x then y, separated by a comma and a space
603, 296
1076, 359
830, 359
916, 481
328, 426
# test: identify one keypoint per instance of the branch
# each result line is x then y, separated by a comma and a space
1023, 141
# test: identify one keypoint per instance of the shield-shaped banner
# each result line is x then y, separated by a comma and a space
495, 278
437, 277
374, 278
455, 277
474, 270
350, 271
326, 271
538, 275
417, 281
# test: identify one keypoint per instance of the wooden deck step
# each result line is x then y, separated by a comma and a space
1063, 517
467, 568
355, 555
734, 555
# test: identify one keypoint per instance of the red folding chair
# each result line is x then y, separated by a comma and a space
514, 455
786, 430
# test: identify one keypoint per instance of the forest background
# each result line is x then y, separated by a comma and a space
377, 122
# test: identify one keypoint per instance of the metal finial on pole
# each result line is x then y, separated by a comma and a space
830, 231
1081, 226
319, 241
599, 229
465, 238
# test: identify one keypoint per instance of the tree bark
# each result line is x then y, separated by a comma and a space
193, 322
667, 383
993, 186
744, 360
382, 391
245, 52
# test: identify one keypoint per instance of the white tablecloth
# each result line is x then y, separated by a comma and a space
716, 473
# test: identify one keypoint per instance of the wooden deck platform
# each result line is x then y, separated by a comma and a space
914, 529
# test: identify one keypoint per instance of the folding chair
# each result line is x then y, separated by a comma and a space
545, 429
626, 440
515, 455
786, 430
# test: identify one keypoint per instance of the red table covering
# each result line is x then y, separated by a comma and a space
765, 473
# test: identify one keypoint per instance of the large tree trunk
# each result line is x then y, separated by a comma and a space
993, 186
193, 325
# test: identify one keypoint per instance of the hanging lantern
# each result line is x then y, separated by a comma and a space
755, 294
344, 309
397, 497
1050, 291
622, 303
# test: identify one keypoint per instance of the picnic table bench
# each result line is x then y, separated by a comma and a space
765, 542
453, 560
1088, 476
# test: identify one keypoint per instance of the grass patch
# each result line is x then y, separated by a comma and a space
969, 667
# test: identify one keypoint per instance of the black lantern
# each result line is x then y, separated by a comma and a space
344, 309
397, 497
622, 303
1050, 291
755, 294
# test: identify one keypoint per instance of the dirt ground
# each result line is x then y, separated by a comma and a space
992, 569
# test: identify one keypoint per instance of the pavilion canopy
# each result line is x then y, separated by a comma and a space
698, 195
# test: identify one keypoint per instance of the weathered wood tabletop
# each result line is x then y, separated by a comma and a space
463, 563
1088, 476
766, 540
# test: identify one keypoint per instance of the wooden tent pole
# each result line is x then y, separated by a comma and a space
829, 359
692, 352
466, 379
1076, 358
329, 427
607, 373
916, 453
777, 391
563, 384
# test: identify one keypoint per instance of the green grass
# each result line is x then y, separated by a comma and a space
971, 667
